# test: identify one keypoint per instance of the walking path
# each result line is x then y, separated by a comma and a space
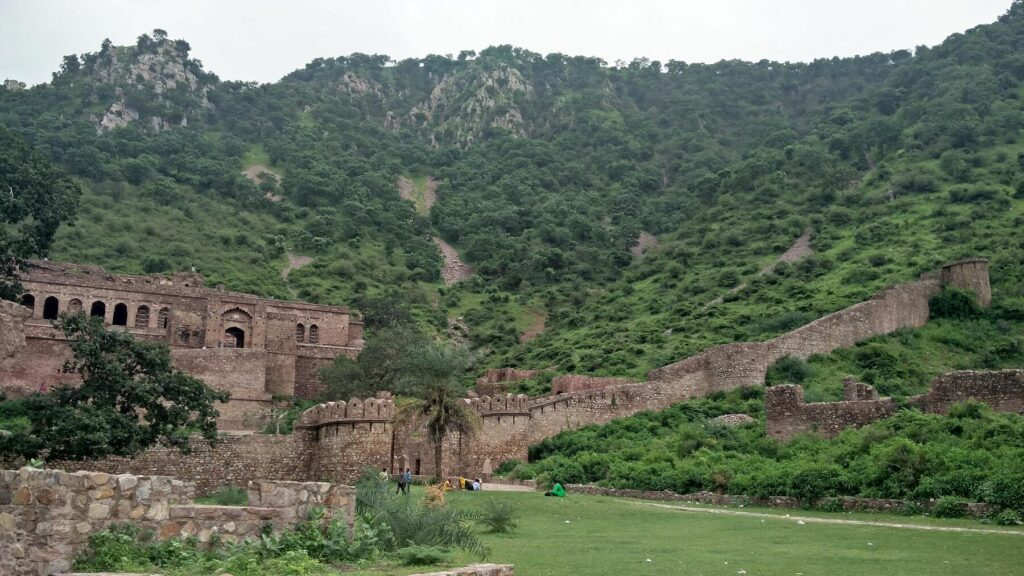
818, 520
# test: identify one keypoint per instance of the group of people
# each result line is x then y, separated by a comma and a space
453, 483
463, 484
404, 480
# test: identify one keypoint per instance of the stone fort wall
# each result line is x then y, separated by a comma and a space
336, 441
788, 415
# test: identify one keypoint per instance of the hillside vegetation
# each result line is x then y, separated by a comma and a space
549, 167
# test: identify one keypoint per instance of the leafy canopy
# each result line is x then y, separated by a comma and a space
130, 398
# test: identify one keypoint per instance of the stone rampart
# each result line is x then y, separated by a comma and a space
788, 415
567, 383
496, 380
349, 437
46, 516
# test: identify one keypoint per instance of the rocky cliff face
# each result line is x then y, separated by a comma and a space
463, 106
153, 82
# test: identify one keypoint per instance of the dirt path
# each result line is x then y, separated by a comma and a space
537, 320
424, 198
454, 270
644, 242
506, 488
294, 263
253, 173
816, 520
801, 248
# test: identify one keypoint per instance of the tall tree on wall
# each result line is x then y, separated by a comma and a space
437, 404
35, 198
130, 398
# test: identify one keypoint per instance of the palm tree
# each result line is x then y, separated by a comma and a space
438, 401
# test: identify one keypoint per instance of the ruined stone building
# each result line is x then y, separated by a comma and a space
336, 441
252, 347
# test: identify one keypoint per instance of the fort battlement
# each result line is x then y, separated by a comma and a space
506, 404
351, 412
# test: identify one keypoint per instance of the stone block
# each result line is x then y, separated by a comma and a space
98, 511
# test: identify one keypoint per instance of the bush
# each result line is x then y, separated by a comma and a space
422, 555
1005, 489
1008, 518
226, 496
498, 517
949, 507
506, 467
787, 370
954, 303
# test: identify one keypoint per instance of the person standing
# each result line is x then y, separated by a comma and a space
406, 480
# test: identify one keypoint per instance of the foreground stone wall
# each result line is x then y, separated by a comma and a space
235, 460
788, 415
46, 516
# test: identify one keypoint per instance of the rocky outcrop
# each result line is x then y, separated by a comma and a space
464, 106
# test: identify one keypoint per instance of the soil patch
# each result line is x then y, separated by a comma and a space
644, 242
424, 198
294, 263
253, 174
537, 320
454, 270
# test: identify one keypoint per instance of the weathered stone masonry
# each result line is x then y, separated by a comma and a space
252, 347
46, 516
788, 415
334, 442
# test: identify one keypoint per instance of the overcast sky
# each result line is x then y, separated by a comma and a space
263, 40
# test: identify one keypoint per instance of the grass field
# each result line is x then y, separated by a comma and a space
598, 536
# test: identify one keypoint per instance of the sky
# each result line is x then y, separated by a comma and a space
262, 40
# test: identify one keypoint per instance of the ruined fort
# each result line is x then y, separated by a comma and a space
255, 348
336, 441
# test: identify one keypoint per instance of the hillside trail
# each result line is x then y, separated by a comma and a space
800, 249
453, 270
294, 263
536, 327
817, 520
253, 174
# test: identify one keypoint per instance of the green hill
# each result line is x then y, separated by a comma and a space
549, 168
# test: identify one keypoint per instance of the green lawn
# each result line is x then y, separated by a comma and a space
596, 535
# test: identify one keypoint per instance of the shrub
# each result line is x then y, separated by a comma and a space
787, 370
498, 516
1008, 518
1005, 489
226, 496
954, 303
422, 555
506, 467
949, 507
817, 481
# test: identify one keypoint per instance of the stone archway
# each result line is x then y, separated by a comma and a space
237, 326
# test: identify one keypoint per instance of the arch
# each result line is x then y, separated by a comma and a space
163, 318
314, 334
300, 333
142, 317
234, 338
29, 301
98, 309
120, 314
74, 306
50, 308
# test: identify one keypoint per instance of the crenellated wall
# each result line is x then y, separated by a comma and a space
337, 441
788, 415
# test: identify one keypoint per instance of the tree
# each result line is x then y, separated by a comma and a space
130, 398
35, 198
382, 365
438, 403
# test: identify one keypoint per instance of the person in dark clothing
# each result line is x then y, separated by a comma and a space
406, 480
